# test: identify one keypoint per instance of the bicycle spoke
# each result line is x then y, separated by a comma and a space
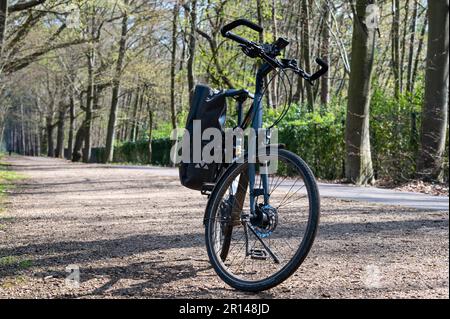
287, 199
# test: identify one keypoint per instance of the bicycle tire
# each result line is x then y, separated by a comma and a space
303, 250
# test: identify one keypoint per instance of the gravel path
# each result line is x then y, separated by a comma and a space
137, 233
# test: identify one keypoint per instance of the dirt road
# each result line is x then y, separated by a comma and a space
135, 233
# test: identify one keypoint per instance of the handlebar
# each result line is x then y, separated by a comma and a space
226, 31
254, 50
323, 70
240, 22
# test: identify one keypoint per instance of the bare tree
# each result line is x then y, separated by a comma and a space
3, 15
110, 136
192, 10
173, 62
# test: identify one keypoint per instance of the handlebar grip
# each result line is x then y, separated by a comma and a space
322, 71
238, 23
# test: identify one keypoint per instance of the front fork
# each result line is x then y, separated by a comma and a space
253, 158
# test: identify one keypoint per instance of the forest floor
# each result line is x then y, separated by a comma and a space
134, 233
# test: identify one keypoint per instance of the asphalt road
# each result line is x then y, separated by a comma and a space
348, 192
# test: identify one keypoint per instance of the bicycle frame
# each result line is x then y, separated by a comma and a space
239, 177
255, 118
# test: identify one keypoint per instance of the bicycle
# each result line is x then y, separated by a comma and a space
259, 228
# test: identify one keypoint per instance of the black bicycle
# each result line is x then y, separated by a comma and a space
260, 224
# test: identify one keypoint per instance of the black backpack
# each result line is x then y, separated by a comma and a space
208, 106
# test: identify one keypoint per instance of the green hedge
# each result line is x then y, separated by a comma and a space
138, 153
394, 130
319, 138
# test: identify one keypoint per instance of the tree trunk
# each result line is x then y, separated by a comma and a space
89, 106
419, 54
60, 132
173, 63
307, 51
110, 137
38, 140
127, 123
139, 92
412, 40
71, 127
22, 130
150, 133
396, 45
79, 140
325, 81
260, 10
274, 84
435, 110
50, 143
192, 47
3, 16
409, 80
30, 143
298, 96
359, 169
403, 46
137, 121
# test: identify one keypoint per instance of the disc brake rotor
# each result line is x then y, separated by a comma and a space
266, 220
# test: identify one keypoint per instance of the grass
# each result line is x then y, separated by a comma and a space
19, 263
7, 180
14, 261
7, 175
12, 282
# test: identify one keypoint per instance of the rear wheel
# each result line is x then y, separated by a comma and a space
257, 252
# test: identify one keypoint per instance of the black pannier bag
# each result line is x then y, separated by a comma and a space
209, 107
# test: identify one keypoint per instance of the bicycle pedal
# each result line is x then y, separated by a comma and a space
258, 254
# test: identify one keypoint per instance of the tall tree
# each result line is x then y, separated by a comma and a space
359, 168
3, 15
306, 49
90, 97
435, 109
325, 50
173, 64
395, 35
62, 110
110, 136
412, 40
70, 140
4, 10
192, 10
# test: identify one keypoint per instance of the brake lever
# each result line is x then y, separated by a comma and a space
249, 51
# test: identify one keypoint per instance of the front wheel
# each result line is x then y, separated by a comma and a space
257, 251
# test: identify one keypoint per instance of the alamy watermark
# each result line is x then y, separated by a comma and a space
372, 277
72, 16
73, 279
372, 20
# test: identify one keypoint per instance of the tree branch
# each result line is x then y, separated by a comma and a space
21, 63
25, 5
